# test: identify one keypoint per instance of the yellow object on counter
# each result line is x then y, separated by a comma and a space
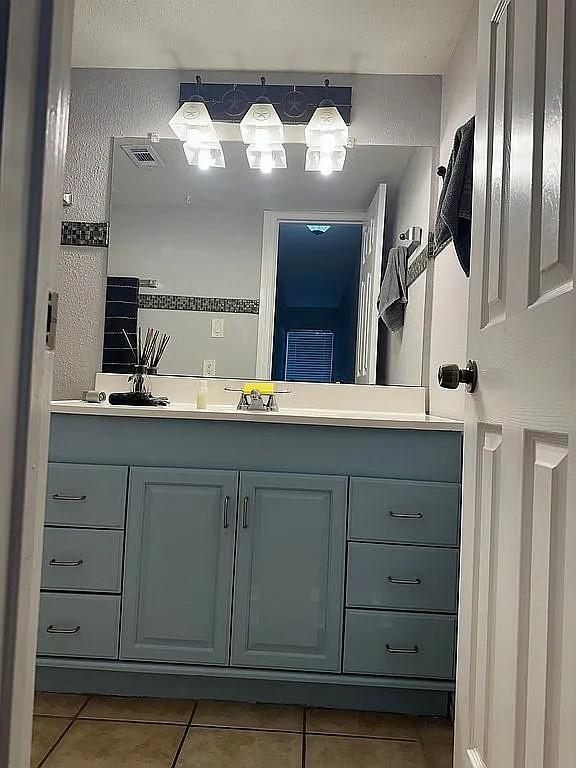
264, 387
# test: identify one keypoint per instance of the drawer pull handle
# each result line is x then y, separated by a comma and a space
406, 515
245, 512
226, 511
52, 630
65, 563
63, 497
412, 650
414, 582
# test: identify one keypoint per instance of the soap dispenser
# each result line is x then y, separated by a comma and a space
202, 394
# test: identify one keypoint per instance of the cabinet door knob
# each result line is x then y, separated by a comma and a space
415, 582
64, 497
451, 376
245, 512
226, 511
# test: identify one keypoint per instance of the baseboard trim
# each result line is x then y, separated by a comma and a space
124, 682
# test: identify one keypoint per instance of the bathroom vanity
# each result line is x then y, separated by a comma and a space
215, 554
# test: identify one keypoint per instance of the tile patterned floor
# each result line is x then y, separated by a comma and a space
106, 732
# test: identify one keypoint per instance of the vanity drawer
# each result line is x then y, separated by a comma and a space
408, 512
394, 576
86, 495
82, 560
403, 644
79, 625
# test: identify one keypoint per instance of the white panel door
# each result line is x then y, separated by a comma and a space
369, 288
516, 683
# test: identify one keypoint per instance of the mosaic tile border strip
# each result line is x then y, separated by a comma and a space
198, 303
85, 233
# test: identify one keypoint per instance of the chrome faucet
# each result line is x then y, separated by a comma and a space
255, 402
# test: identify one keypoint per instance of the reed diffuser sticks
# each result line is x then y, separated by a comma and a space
149, 350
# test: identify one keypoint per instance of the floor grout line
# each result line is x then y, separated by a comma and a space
363, 736
184, 736
135, 722
64, 732
244, 728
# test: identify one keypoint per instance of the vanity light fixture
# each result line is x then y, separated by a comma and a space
263, 132
193, 126
326, 138
206, 156
266, 157
325, 162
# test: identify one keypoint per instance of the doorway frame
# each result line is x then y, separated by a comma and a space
35, 55
269, 272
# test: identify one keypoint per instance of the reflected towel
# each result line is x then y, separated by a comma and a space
454, 217
393, 291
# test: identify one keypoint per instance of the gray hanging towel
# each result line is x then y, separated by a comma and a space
393, 291
454, 217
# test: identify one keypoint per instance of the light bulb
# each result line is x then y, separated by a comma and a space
326, 165
266, 162
204, 159
261, 137
327, 142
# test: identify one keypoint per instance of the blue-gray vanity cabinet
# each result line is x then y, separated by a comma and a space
79, 625
400, 643
86, 495
289, 584
406, 578
82, 560
404, 511
179, 562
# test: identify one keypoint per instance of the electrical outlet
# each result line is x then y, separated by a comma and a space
209, 368
217, 327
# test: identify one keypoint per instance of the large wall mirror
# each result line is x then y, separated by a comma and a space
268, 275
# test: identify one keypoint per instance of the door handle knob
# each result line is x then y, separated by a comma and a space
451, 376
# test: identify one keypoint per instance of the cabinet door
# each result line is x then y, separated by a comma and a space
179, 564
288, 595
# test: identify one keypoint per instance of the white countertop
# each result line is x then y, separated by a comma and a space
335, 418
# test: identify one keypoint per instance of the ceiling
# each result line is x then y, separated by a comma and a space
178, 184
327, 36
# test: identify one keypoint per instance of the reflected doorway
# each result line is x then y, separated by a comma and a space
316, 311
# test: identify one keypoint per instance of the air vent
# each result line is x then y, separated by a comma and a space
143, 155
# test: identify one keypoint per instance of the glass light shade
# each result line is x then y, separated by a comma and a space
193, 124
266, 158
325, 162
326, 130
261, 125
209, 155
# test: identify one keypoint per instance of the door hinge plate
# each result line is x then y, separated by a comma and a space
51, 320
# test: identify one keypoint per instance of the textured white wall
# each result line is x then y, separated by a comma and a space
450, 297
82, 288
387, 109
410, 208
